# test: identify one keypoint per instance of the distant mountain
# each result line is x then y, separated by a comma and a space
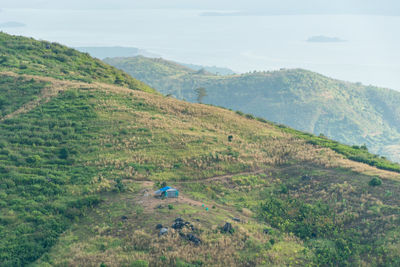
253, 7
169, 67
348, 112
210, 69
12, 24
103, 52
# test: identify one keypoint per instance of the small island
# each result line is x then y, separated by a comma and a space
12, 24
325, 39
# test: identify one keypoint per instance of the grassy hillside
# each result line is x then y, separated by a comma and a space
28, 56
78, 170
349, 113
79, 162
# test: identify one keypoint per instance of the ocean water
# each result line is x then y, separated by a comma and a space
370, 53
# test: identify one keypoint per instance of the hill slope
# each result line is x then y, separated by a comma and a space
79, 162
347, 112
80, 158
28, 56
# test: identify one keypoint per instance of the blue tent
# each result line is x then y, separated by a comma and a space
167, 192
165, 188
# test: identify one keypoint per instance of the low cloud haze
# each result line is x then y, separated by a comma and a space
354, 40
378, 7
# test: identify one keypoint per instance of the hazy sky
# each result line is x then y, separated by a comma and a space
256, 34
387, 7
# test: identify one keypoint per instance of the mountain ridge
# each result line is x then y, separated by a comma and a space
348, 112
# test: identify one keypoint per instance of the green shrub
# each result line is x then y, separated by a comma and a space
250, 116
63, 153
139, 263
119, 185
261, 120
181, 263
33, 159
375, 181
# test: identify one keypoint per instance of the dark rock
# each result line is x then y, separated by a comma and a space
163, 231
236, 219
227, 228
179, 224
306, 178
191, 237
267, 231
194, 239
124, 218
159, 226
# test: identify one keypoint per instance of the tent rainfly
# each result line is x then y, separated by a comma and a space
167, 192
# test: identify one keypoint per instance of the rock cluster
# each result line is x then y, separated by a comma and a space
179, 224
191, 237
227, 228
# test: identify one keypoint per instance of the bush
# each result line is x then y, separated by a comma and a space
261, 120
63, 153
33, 159
119, 185
123, 132
181, 263
139, 263
250, 116
375, 182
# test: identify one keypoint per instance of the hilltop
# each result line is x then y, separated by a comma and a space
103, 52
79, 162
347, 112
161, 68
29, 56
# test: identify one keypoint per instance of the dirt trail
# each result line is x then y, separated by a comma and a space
56, 86
149, 202
45, 95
